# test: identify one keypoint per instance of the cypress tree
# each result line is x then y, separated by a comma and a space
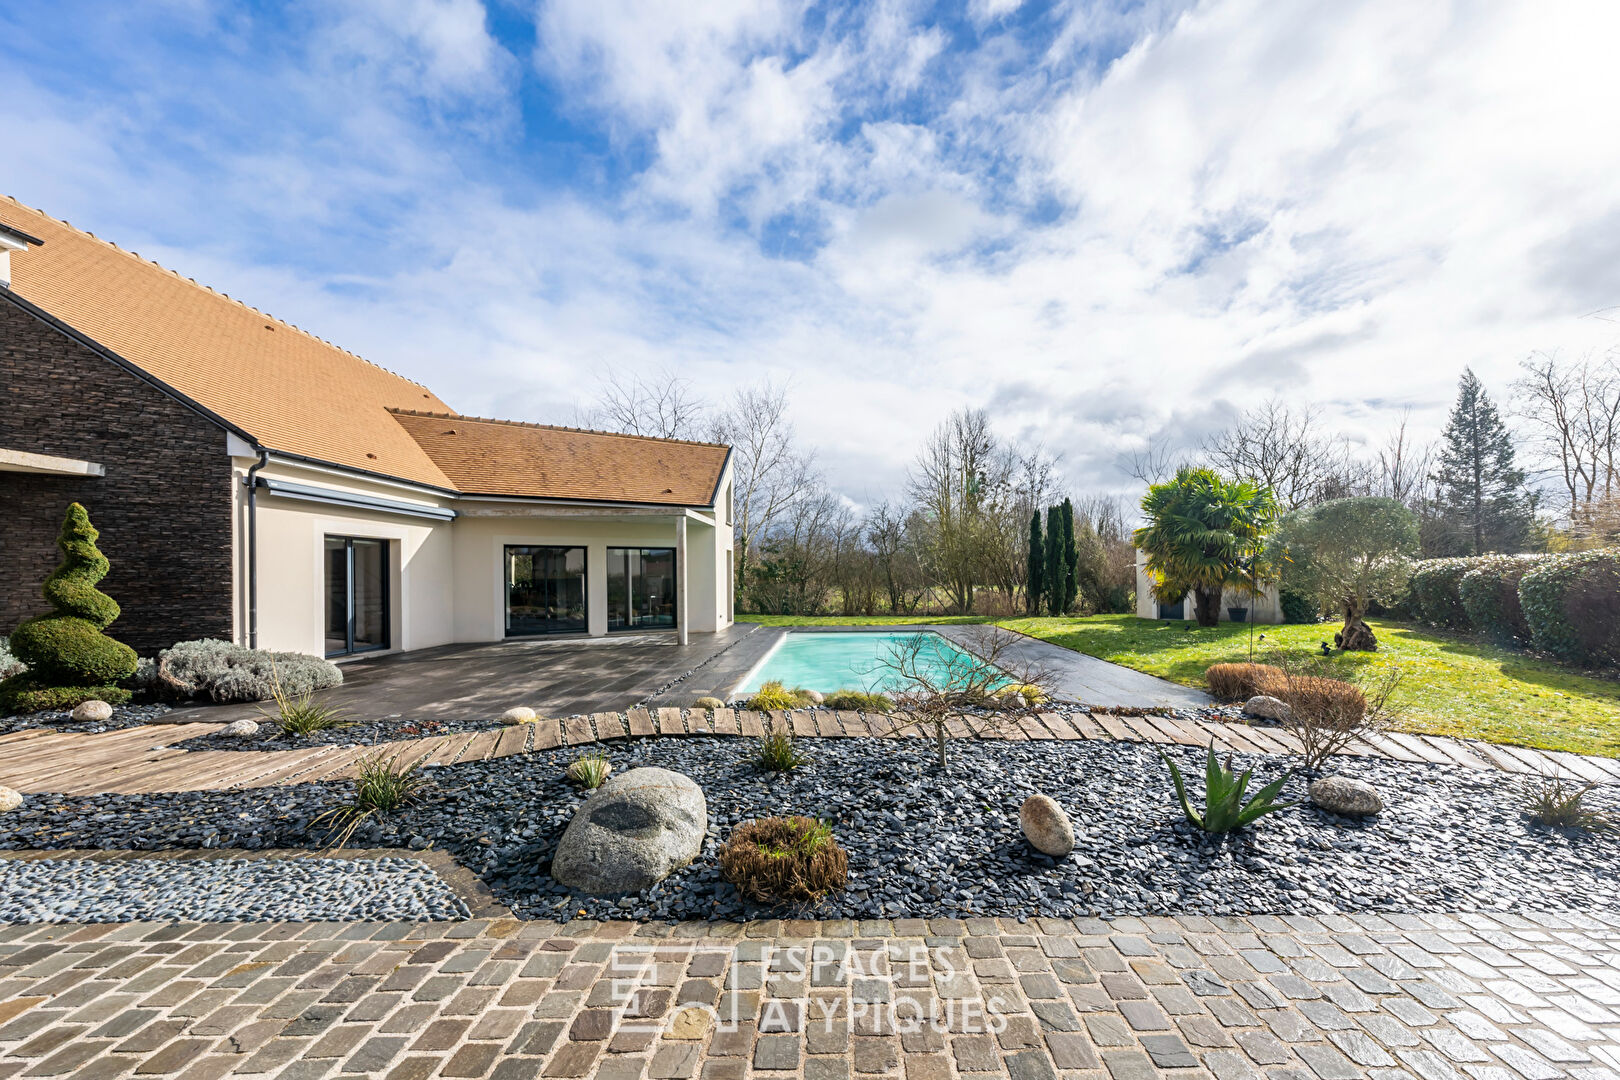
69, 659
1071, 558
1037, 564
1053, 578
1484, 504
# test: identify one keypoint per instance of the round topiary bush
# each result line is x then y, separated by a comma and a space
1297, 607
791, 859
1437, 584
1490, 596
69, 658
1570, 605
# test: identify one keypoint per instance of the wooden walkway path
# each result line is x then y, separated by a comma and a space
145, 759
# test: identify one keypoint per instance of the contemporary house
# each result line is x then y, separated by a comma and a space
255, 483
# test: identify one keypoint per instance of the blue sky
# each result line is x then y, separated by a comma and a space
1104, 220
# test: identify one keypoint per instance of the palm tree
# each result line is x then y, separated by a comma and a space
1203, 536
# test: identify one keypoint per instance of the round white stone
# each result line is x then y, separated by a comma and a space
92, 712
1345, 796
9, 799
518, 714
241, 729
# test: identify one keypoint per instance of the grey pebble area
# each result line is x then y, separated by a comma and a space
224, 890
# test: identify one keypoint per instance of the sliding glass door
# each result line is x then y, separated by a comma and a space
357, 616
545, 590
641, 588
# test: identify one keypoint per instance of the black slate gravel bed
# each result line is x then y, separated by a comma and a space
927, 845
124, 716
365, 733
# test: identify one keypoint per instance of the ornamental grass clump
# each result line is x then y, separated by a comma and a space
784, 860
589, 771
859, 701
1240, 682
381, 787
69, 659
1225, 808
301, 714
777, 752
1559, 804
774, 697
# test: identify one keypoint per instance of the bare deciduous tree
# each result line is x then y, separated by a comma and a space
933, 683
1282, 446
952, 483
661, 406
1574, 412
771, 476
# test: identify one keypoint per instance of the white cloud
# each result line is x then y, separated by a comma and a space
1349, 202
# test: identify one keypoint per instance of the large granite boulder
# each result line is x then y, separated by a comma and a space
1345, 796
1046, 826
632, 832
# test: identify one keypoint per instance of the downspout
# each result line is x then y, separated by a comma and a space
253, 547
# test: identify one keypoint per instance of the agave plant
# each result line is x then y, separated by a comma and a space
1224, 805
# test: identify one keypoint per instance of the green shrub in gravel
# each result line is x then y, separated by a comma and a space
220, 671
777, 752
69, 659
1437, 584
1490, 596
859, 701
1570, 606
1225, 808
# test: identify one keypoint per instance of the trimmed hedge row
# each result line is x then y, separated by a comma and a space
1565, 605
1490, 596
1572, 605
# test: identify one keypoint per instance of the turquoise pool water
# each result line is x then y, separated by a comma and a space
853, 661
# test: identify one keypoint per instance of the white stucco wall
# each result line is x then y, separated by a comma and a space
446, 578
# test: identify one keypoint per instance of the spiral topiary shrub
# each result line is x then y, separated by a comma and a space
1490, 595
1569, 602
220, 671
69, 659
1438, 584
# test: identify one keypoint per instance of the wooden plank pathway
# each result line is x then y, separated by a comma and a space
146, 759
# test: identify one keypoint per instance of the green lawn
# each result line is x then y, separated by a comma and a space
1451, 686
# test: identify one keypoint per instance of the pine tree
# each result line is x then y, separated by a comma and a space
1071, 558
1053, 579
1037, 564
69, 658
1484, 504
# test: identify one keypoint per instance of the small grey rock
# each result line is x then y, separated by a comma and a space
1046, 826
632, 832
1342, 795
240, 729
92, 712
1266, 707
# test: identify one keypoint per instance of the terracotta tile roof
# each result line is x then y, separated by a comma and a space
301, 395
504, 457
289, 389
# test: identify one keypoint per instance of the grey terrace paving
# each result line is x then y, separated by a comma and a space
1436, 997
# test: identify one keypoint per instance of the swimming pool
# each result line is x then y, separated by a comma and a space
848, 661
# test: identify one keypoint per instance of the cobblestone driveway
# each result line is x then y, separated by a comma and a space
1490, 998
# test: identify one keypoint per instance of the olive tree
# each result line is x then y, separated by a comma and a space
1349, 553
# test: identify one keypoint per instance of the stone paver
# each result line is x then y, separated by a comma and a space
1265, 998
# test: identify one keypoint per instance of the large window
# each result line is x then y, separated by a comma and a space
640, 588
545, 590
357, 615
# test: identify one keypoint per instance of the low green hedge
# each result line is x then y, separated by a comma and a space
1572, 606
1490, 596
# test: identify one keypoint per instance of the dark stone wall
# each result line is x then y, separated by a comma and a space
163, 509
